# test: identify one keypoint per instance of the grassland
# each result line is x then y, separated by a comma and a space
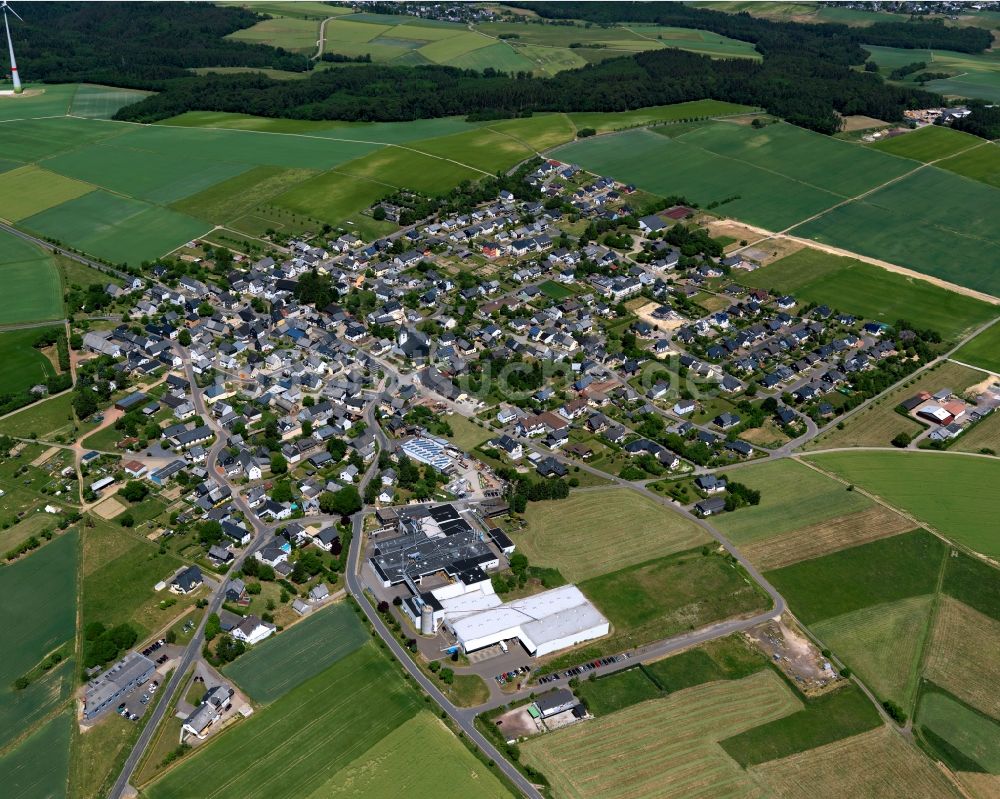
875, 764
21, 365
48, 418
30, 189
297, 35
983, 350
869, 292
792, 496
227, 201
878, 423
972, 75
883, 644
102, 102
29, 274
981, 163
605, 122
483, 149
29, 140
927, 144
274, 668
595, 532
670, 743
973, 582
322, 726
410, 169
333, 196
52, 100
957, 507
37, 767
955, 655
879, 572
617, 691
539, 132
906, 223
973, 734
696, 41
823, 538
984, 437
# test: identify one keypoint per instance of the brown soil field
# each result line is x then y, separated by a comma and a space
859, 122
874, 765
825, 537
980, 786
957, 659
108, 508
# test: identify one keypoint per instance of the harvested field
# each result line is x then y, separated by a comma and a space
874, 765
833, 535
596, 532
883, 644
981, 786
955, 660
665, 747
984, 436
860, 122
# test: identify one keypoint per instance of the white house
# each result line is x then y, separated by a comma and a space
252, 630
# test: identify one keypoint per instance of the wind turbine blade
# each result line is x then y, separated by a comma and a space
6, 7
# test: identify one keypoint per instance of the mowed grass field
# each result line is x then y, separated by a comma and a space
957, 506
21, 365
856, 287
30, 275
983, 350
595, 532
877, 424
873, 765
37, 768
669, 744
883, 644
930, 143
278, 665
792, 496
321, 727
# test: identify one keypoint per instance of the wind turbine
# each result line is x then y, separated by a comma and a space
10, 46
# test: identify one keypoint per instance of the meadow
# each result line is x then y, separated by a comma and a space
976, 736
972, 75
102, 102
855, 287
874, 764
28, 140
929, 143
605, 122
483, 149
54, 100
957, 507
539, 132
696, 41
980, 163
297, 35
37, 767
21, 365
30, 189
877, 424
322, 726
30, 274
852, 579
983, 350
908, 223
792, 496
670, 743
588, 534
278, 665
227, 201
47, 418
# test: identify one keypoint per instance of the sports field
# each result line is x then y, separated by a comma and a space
929, 143
822, 538
883, 644
957, 507
855, 287
37, 768
321, 727
955, 655
793, 496
29, 274
21, 365
669, 743
933, 221
873, 765
30, 189
974, 735
877, 424
879, 572
278, 665
983, 350
596, 532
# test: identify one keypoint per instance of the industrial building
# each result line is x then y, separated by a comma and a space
107, 688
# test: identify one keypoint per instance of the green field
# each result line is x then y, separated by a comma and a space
792, 496
927, 144
882, 571
981, 163
30, 189
21, 365
957, 507
227, 201
282, 663
853, 286
971, 733
500, 56
333, 196
483, 149
697, 41
51, 100
883, 644
972, 75
102, 102
116, 228
410, 169
596, 532
297, 35
933, 221
29, 274
604, 122
46, 418
322, 726
29, 140
555, 291
38, 767
304, 9
617, 691
983, 350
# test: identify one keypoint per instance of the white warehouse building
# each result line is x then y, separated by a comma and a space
544, 623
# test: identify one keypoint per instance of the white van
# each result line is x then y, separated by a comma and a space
503, 646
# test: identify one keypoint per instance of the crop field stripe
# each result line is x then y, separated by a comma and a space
974, 734
37, 768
